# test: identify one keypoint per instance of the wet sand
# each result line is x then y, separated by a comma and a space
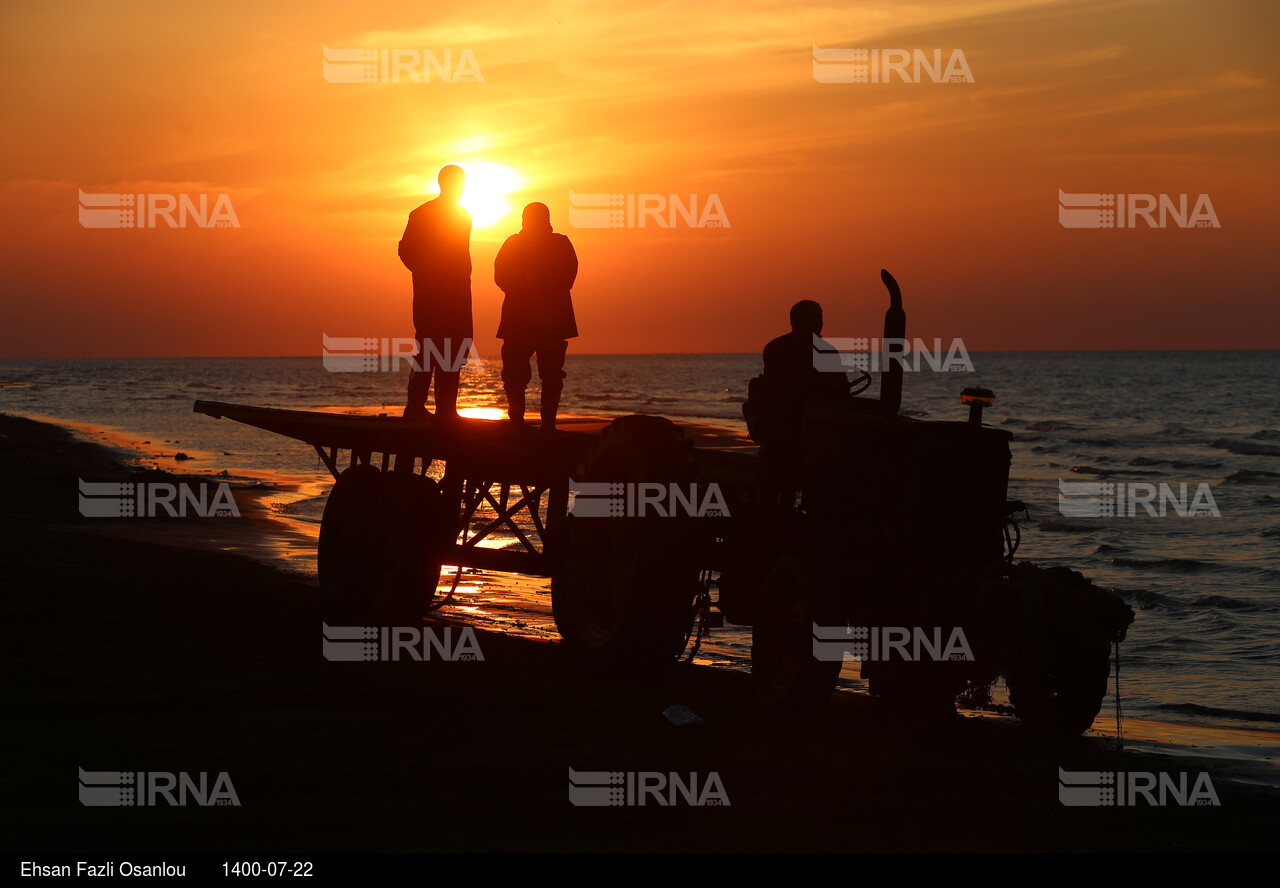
135, 655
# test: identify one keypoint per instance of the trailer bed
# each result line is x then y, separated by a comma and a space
496, 443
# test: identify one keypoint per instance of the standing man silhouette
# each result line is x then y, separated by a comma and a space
535, 269
436, 247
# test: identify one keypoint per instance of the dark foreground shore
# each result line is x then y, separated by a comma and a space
132, 656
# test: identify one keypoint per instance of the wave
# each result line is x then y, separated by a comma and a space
605, 396
1250, 476
1220, 712
309, 509
1063, 527
1177, 565
1127, 473
1176, 463
1145, 598
1224, 603
1178, 429
1048, 425
1244, 447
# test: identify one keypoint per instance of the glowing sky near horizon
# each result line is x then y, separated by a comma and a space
951, 186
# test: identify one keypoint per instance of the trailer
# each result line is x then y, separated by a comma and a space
411, 495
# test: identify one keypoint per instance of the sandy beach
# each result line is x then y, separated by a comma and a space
136, 655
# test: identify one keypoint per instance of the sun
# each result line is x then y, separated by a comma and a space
486, 191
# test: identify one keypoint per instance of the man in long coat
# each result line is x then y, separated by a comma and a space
436, 247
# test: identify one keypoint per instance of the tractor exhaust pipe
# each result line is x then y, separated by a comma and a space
895, 332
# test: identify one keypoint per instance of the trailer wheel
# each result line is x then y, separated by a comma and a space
410, 529
627, 590
346, 539
786, 674
1063, 697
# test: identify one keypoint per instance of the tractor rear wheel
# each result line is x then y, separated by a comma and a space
627, 590
786, 673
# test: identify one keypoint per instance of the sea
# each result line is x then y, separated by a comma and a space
1202, 429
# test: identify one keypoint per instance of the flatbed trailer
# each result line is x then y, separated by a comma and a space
520, 472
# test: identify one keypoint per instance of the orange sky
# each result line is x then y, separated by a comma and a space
953, 187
